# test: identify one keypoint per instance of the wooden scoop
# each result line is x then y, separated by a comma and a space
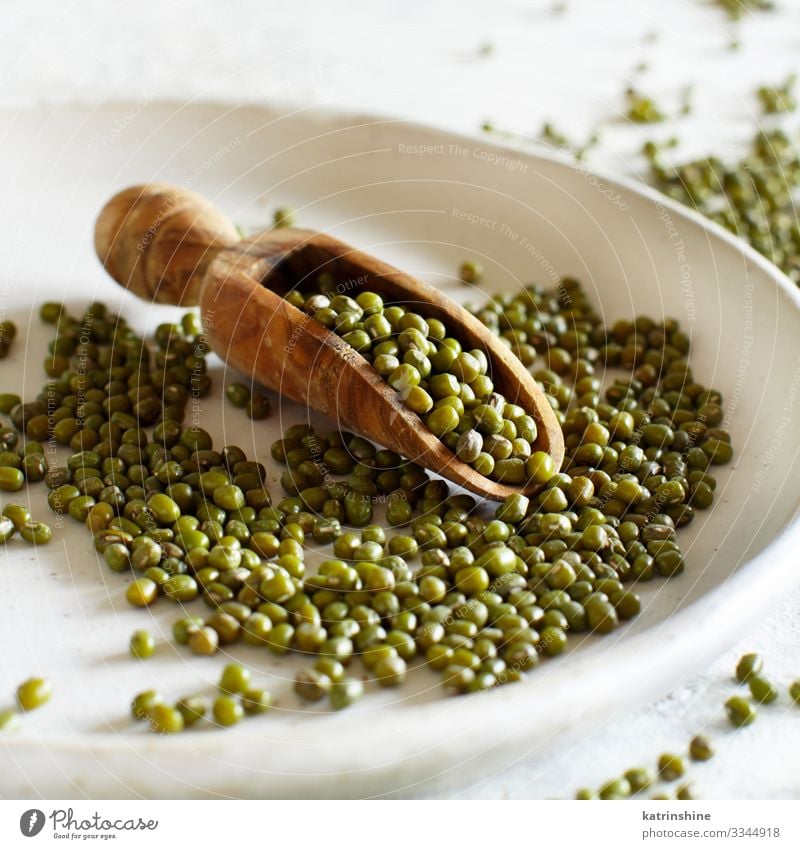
172, 246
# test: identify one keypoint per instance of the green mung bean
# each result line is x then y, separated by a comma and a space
33, 693
639, 779
235, 678
345, 693
740, 712
36, 533
256, 700
144, 702
670, 767
284, 217
470, 272
9, 719
192, 708
617, 788
165, 719
749, 665
762, 691
700, 748
142, 644
227, 710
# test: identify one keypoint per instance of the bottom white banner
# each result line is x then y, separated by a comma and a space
468, 824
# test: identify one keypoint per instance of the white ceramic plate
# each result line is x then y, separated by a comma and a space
424, 200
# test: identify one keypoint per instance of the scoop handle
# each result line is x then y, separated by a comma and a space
157, 240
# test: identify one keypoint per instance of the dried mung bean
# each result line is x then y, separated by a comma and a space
165, 719
312, 685
749, 665
256, 700
238, 394
9, 719
639, 779
227, 710
11, 479
617, 788
235, 678
740, 712
141, 592
204, 640
345, 693
284, 217
192, 708
670, 767
36, 533
144, 702
258, 407
33, 693
470, 272
700, 748
142, 644
762, 691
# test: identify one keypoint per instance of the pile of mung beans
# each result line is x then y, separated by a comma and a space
752, 197
416, 573
424, 362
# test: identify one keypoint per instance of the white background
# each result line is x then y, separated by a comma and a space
458, 64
